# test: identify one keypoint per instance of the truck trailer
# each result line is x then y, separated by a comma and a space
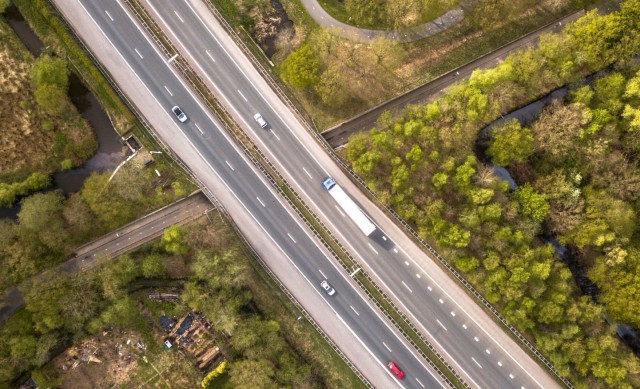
348, 206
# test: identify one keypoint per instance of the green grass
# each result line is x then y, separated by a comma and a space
337, 10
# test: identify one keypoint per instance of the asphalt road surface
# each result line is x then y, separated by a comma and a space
337, 136
475, 346
299, 261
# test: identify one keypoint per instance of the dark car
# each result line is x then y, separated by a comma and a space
395, 369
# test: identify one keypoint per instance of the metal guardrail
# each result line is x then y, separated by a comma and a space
358, 180
249, 152
204, 189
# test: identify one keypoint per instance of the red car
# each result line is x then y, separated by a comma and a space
395, 369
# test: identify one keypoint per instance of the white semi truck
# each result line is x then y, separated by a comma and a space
348, 206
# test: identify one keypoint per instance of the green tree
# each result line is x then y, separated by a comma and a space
40, 219
249, 373
52, 99
47, 70
173, 240
152, 266
531, 203
300, 68
510, 143
331, 88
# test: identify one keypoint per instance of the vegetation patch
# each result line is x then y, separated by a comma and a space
259, 336
351, 76
423, 165
386, 14
42, 130
50, 226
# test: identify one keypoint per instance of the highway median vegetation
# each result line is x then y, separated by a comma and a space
576, 169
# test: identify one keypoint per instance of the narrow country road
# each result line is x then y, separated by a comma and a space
338, 135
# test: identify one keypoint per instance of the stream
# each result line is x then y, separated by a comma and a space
111, 150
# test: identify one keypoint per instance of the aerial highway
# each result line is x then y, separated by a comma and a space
482, 353
278, 236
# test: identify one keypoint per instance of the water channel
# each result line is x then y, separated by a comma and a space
111, 150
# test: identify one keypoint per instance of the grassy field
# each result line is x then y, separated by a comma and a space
429, 11
31, 140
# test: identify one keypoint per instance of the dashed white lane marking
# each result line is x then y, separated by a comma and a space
430, 288
395, 250
441, 302
245, 99
199, 129
419, 382
274, 134
384, 237
178, 15
385, 345
354, 310
464, 326
453, 314
407, 286
488, 352
260, 201
511, 376
325, 277
418, 275
291, 237
442, 325
139, 55
108, 14
479, 365
476, 339
374, 250
228, 164
406, 263
305, 170
168, 91
339, 210
499, 363
210, 56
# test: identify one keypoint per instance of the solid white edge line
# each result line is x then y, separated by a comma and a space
243, 205
311, 156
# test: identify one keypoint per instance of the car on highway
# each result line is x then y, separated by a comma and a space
328, 288
260, 120
179, 114
395, 369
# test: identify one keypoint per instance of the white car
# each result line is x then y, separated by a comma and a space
327, 288
179, 114
260, 120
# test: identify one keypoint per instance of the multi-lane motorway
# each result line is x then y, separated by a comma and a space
299, 262
476, 347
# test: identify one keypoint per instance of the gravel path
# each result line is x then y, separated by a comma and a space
435, 26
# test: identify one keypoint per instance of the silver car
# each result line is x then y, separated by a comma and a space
179, 114
260, 120
327, 288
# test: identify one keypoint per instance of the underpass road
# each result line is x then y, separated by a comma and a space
269, 224
475, 345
